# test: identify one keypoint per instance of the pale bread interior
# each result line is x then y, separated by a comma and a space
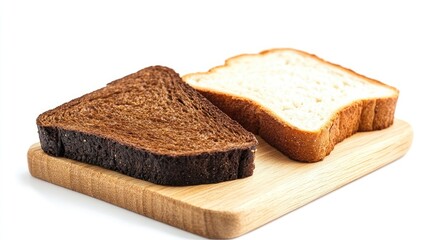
301, 90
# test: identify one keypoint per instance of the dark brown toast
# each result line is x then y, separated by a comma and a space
153, 126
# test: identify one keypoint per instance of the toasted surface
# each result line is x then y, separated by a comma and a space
154, 122
297, 102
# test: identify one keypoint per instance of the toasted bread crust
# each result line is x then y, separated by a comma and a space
300, 145
210, 167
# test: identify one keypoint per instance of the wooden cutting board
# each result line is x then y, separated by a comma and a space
230, 209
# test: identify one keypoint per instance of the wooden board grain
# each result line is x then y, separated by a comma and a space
230, 209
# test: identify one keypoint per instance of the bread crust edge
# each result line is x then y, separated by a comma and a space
202, 168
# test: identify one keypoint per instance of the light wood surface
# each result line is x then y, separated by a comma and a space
230, 209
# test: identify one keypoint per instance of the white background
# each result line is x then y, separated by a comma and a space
53, 51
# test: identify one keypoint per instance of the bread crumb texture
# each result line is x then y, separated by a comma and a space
154, 110
300, 89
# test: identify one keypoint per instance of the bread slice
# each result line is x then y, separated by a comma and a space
297, 102
153, 126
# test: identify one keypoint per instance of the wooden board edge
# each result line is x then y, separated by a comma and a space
103, 184
255, 217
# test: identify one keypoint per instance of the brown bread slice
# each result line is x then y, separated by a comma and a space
297, 102
153, 126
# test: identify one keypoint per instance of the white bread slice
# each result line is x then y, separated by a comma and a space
297, 102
